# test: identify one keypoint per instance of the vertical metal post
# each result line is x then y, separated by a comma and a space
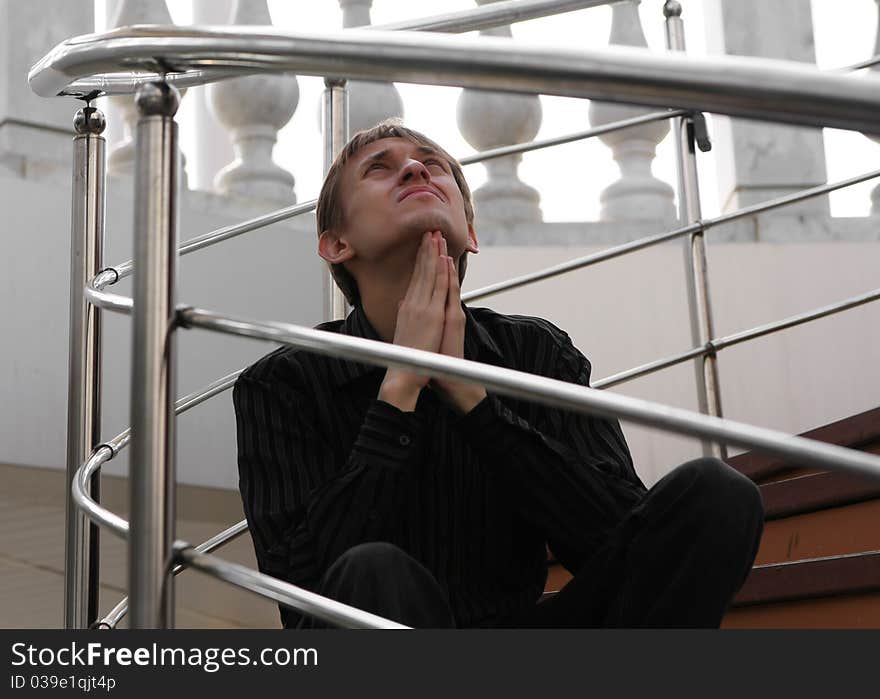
153, 379
84, 372
335, 130
699, 303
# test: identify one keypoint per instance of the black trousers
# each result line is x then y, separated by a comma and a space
675, 561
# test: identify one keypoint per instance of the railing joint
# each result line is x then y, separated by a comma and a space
106, 445
710, 349
113, 270
180, 316
699, 130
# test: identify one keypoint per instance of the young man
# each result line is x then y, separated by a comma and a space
432, 502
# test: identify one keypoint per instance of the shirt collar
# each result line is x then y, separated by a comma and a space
478, 344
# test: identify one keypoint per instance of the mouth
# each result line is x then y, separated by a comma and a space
419, 190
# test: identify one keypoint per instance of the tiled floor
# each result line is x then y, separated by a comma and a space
32, 555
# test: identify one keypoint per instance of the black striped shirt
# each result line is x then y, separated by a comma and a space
476, 498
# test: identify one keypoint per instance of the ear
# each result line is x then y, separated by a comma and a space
334, 249
472, 245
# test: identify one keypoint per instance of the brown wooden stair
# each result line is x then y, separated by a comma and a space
818, 565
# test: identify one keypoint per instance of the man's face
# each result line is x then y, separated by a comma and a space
392, 191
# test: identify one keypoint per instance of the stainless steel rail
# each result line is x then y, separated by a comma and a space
81, 541
108, 450
874, 60
715, 345
104, 452
546, 391
648, 241
498, 14
773, 90
277, 590
488, 16
569, 138
154, 371
335, 133
695, 262
284, 593
115, 615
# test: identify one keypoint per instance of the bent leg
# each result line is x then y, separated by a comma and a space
675, 561
690, 544
381, 578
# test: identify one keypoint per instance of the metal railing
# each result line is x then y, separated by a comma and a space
104, 63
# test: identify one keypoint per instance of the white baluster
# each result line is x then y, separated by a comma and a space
129, 12
637, 195
254, 109
369, 102
212, 149
489, 119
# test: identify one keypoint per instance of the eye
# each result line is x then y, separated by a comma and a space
373, 165
434, 161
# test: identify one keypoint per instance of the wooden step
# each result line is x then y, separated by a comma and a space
818, 565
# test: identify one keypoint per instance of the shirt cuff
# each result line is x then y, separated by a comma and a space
388, 435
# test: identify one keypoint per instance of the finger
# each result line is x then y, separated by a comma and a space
422, 281
454, 297
441, 286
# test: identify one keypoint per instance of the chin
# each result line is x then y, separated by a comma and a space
417, 224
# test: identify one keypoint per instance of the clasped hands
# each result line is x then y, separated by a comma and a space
430, 317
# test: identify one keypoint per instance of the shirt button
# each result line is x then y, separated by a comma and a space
403, 439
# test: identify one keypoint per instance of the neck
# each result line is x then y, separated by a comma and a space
379, 302
379, 297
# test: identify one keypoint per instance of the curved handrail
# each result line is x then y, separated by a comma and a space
473, 19
546, 391
114, 616
505, 381
773, 90
324, 608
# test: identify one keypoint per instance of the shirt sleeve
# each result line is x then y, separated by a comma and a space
305, 507
570, 474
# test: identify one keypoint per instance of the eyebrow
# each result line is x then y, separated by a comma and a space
382, 154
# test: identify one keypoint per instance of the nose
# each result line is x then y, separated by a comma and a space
414, 170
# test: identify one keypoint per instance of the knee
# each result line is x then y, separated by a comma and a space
369, 558
724, 492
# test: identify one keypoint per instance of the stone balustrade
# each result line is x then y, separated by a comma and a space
254, 109
239, 121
